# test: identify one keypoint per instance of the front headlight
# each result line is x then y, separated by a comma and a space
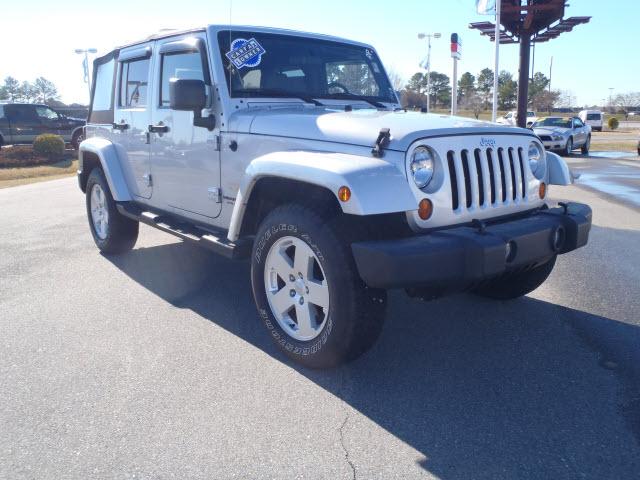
422, 164
535, 157
556, 137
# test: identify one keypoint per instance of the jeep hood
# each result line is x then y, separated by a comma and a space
360, 126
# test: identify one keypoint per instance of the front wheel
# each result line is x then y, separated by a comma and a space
517, 284
76, 140
112, 231
568, 148
308, 291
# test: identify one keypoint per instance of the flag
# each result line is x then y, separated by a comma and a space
486, 7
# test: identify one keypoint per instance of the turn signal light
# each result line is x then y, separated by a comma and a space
542, 190
425, 209
344, 194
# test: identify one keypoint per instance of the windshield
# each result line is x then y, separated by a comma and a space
554, 122
270, 65
593, 116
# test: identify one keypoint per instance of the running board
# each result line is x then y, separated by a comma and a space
188, 232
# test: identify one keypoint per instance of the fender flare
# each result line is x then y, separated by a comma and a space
559, 172
108, 155
377, 185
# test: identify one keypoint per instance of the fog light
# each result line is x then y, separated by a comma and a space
557, 239
425, 209
510, 251
542, 190
344, 194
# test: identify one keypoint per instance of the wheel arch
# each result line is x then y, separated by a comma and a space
101, 152
377, 186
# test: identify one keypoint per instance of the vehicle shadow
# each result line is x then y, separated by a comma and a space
481, 389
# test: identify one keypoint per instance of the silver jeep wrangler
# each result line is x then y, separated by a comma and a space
291, 149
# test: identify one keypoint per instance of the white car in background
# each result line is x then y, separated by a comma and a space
593, 118
511, 118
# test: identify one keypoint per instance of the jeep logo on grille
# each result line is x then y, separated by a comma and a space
487, 142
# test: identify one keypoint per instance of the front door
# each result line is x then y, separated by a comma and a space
132, 116
185, 158
579, 131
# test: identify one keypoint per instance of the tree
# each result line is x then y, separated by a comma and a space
507, 90
440, 88
397, 81
473, 102
545, 100
45, 90
417, 82
27, 93
537, 85
626, 102
11, 89
485, 85
466, 86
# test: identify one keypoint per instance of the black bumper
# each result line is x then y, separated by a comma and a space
459, 257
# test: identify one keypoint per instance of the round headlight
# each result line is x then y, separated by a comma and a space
422, 163
535, 156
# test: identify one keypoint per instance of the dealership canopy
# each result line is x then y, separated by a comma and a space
526, 22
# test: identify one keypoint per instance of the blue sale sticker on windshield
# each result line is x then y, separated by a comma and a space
245, 53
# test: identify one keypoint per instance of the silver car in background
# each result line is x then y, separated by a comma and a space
563, 134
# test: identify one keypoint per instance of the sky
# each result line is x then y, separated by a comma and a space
38, 37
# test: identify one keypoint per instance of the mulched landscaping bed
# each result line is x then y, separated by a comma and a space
23, 156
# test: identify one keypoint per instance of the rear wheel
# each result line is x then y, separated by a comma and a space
518, 284
112, 231
77, 138
308, 291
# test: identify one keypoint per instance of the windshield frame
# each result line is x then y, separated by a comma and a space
381, 78
539, 124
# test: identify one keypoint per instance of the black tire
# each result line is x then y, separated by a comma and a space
356, 313
77, 138
518, 284
568, 148
586, 146
121, 231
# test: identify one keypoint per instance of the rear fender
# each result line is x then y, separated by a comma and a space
109, 160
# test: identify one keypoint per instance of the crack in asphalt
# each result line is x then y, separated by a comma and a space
344, 447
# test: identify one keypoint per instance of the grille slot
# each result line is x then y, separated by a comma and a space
490, 177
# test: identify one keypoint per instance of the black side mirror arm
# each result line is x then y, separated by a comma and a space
205, 122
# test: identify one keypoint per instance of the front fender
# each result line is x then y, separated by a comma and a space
377, 185
110, 162
559, 172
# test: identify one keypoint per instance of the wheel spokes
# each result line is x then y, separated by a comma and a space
282, 265
303, 260
318, 293
282, 301
306, 319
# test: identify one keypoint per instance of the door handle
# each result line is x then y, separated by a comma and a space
158, 128
121, 126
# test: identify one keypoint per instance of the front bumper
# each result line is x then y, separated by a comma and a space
554, 145
457, 258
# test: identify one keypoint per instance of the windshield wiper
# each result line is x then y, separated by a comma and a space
351, 96
274, 92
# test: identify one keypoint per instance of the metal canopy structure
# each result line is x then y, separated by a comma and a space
527, 22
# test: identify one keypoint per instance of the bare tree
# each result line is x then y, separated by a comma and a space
626, 102
475, 103
45, 90
397, 81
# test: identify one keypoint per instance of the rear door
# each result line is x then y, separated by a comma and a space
185, 158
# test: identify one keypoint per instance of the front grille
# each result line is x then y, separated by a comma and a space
486, 177
545, 138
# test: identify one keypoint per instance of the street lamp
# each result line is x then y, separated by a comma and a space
428, 66
85, 65
611, 99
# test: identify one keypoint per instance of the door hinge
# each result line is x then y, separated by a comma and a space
218, 142
148, 180
215, 194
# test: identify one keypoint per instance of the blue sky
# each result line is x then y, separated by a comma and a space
37, 37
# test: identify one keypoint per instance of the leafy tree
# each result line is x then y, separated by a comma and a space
507, 90
27, 93
485, 85
440, 88
537, 85
417, 83
11, 89
466, 86
45, 90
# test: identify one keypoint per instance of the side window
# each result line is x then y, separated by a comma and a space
134, 80
23, 113
102, 101
1, 111
186, 65
45, 113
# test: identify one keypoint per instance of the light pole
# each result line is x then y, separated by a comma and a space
85, 65
428, 66
611, 99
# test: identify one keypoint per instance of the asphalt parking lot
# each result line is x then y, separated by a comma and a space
154, 365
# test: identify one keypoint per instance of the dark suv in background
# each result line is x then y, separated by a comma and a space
23, 122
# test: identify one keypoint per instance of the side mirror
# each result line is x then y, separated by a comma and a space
191, 95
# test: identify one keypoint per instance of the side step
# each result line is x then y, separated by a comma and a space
188, 232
